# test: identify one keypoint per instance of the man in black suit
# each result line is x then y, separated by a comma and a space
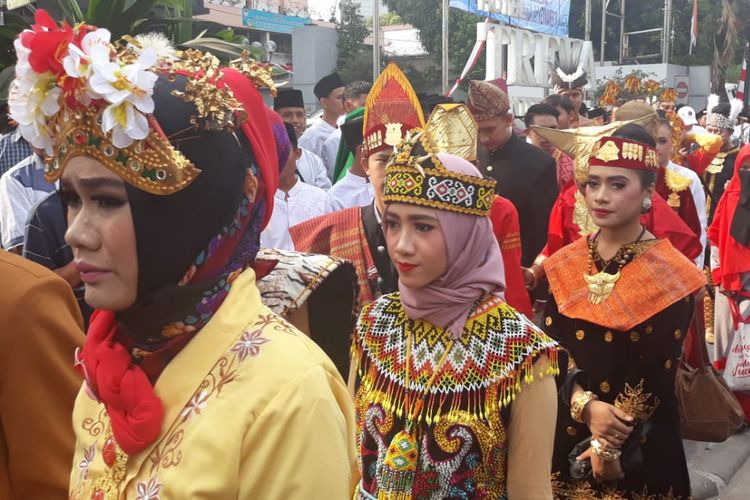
526, 175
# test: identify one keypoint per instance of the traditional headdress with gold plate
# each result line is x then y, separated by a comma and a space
391, 110
415, 174
578, 143
623, 153
76, 93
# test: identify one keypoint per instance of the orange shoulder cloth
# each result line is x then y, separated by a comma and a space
650, 283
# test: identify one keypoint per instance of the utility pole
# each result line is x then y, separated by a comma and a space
446, 22
587, 35
605, 4
667, 31
375, 39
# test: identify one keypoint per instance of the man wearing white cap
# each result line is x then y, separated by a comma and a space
687, 115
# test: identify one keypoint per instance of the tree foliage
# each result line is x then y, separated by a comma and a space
354, 62
426, 15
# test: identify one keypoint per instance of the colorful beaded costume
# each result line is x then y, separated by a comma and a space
454, 445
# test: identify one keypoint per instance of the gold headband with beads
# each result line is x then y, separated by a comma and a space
424, 180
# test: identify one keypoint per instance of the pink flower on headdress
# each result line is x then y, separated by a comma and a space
128, 88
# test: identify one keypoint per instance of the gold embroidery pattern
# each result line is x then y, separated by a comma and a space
95, 427
633, 401
582, 218
583, 490
168, 453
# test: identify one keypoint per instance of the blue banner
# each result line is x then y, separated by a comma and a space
543, 16
269, 21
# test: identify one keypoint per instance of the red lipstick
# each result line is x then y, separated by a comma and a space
405, 267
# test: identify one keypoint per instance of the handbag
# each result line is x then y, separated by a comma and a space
708, 409
737, 371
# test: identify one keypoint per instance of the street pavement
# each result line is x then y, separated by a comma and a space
720, 470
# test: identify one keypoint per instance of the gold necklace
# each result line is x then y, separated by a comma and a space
602, 284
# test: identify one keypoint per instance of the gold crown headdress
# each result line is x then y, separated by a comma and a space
415, 174
76, 93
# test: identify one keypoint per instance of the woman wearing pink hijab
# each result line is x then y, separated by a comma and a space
455, 396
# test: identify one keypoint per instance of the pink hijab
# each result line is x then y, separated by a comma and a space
475, 266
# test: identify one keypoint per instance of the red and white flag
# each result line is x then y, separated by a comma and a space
743, 78
694, 26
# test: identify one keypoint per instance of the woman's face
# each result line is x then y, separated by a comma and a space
415, 244
614, 196
664, 147
101, 233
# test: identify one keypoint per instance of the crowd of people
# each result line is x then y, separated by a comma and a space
204, 297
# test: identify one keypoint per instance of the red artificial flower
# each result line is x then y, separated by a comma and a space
48, 43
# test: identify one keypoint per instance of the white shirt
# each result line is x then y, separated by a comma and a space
301, 203
330, 151
312, 171
351, 191
699, 198
313, 138
21, 188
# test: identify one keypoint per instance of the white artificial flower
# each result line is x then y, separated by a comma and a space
33, 98
22, 53
125, 122
78, 61
128, 88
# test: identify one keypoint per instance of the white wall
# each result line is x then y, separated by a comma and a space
314, 56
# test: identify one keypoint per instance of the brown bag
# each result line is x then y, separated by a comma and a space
708, 409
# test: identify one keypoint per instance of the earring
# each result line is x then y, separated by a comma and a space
646, 206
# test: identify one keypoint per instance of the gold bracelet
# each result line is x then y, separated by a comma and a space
580, 400
606, 454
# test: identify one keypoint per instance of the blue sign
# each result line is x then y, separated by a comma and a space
269, 21
543, 16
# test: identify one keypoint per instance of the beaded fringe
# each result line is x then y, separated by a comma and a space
391, 394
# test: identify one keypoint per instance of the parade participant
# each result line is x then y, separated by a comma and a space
21, 188
348, 146
680, 186
166, 196
666, 105
289, 104
40, 331
355, 234
354, 188
330, 94
721, 120
294, 202
525, 174
545, 115
454, 398
570, 219
689, 120
730, 264
355, 96
621, 303
568, 80
565, 107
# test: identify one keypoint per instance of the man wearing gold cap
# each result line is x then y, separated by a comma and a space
525, 174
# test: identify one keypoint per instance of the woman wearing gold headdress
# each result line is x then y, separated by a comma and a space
621, 304
168, 166
453, 398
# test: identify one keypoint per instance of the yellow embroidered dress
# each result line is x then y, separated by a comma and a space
465, 388
253, 409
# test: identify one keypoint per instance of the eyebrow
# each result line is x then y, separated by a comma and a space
100, 182
609, 178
